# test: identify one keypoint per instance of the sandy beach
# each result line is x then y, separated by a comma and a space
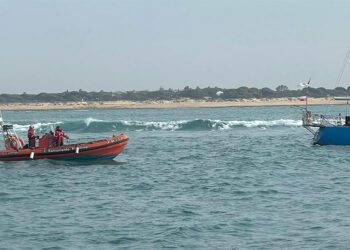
185, 103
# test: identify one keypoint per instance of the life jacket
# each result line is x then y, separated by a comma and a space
60, 135
31, 133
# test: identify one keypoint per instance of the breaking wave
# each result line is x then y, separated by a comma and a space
38, 126
95, 125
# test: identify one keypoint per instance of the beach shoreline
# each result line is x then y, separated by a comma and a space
173, 104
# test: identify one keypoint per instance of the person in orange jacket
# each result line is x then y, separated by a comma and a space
60, 135
32, 136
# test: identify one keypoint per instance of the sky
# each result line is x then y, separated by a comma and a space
119, 45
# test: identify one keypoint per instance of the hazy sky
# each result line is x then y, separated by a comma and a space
55, 45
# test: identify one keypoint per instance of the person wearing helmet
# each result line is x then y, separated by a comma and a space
60, 135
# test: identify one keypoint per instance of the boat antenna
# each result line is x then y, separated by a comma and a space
1, 120
342, 69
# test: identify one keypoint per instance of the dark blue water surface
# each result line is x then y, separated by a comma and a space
230, 178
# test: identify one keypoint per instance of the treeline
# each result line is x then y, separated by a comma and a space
209, 93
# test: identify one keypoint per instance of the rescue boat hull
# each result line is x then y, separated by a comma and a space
102, 149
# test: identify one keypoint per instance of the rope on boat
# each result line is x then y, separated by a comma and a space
345, 62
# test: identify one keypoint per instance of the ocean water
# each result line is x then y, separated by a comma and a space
224, 178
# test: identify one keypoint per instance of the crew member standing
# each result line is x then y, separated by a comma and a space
60, 135
32, 136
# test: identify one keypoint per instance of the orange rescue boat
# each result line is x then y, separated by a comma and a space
15, 150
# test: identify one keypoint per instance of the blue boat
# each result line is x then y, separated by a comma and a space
328, 130
338, 135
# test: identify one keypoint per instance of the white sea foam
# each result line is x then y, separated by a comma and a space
261, 123
169, 125
89, 120
38, 125
212, 124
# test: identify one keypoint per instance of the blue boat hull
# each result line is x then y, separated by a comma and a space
338, 135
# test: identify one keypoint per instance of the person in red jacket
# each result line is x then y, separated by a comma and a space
32, 136
60, 135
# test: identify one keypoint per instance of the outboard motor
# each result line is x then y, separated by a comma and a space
12, 141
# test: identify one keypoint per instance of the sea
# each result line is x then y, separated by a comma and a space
206, 178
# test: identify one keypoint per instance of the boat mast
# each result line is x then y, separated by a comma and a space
1, 119
307, 92
1, 126
1, 123
306, 99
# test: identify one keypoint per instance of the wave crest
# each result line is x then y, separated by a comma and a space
95, 125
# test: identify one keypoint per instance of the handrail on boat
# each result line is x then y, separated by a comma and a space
316, 120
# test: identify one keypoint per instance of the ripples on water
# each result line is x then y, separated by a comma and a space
208, 188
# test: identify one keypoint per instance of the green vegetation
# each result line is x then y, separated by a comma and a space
171, 94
